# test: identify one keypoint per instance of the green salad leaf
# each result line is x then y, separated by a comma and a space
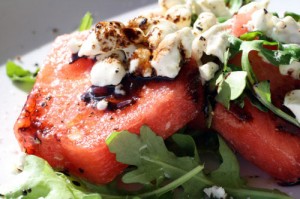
193, 19
161, 173
283, 54
230, 86
39, 180
151, 157
154, 161
224, 92
86, 22
294, 15
18, 74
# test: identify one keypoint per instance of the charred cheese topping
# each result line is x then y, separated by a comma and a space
157, 44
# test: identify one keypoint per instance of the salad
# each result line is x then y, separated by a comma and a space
190, 35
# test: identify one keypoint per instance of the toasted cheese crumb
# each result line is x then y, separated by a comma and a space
215, 192
107, 72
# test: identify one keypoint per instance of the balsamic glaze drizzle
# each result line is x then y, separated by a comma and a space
130, 84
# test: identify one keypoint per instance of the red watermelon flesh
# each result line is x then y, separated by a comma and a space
58, 126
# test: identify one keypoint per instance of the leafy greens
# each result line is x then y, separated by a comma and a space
38, 180
86, 22
18, 74
161, 172
154, 162
281, 54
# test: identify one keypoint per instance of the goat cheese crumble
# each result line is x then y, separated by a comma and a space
285, 30
158, 44
107, 72
215, 192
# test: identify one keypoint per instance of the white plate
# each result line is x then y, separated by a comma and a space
26, 29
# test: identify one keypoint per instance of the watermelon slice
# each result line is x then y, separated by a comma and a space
70, 134
261, 137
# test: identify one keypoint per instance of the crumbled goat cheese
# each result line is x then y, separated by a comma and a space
75, 45
102, 105
116, 54
129, 50
133, 65
140, 62
292, 101
106, 37
167, 57
158, 31
107, 72
90, 46
215, 192
293, 69
186, 38
251, 7
198, 47
285, 30
217, 7
135, 34
204, 21
141, 22
217, 40
214, 41
181, 15
207, 71
166, 62
157, 43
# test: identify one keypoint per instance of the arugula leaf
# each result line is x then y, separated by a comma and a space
86, 22
151, 157
249, 36
222, 19
284, 55
292, 14
154, 161
237, 83
174, 184
187, 144
255, 102
38, 180
263, 93
193, 19
224, 94
18, 74
275, 14
229, 172
179, 177
231, 86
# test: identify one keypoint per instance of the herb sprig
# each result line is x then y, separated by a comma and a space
284, 54
19, 74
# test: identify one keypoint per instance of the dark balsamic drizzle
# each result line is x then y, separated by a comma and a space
75, 57
130, 84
